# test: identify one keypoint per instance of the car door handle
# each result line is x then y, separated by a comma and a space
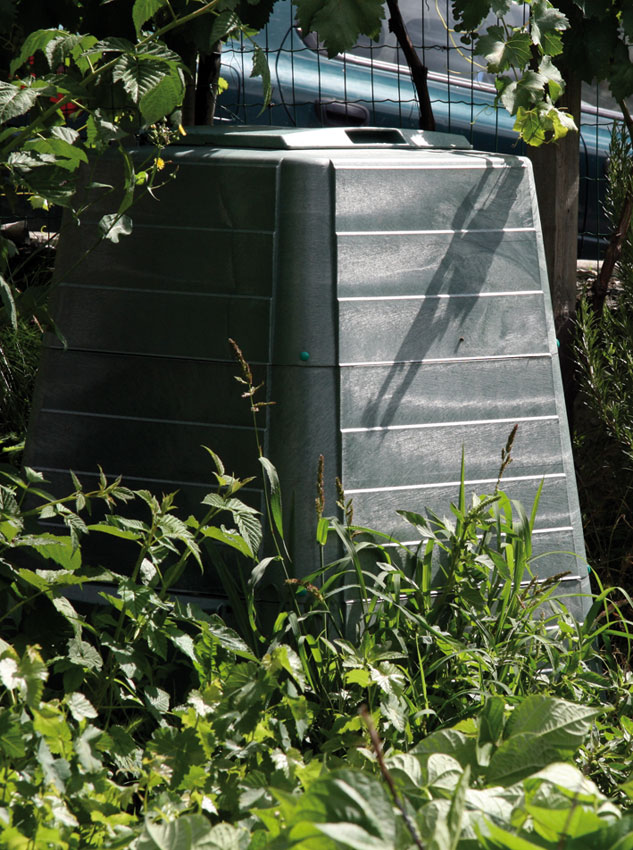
338, 113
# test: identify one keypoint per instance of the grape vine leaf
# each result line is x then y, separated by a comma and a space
340, 22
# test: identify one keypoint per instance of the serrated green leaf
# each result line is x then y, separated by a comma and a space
470, 13
261, 69
557, 722
138, 75
59, 549
546, 25
49, 721
230, 537
340, 22
188, 832
86, 748
15, 99
156, 699
500, 53
223, 25
80, 707
143, 10
84, 654
163, 99
34, 41
11, 735
33, 673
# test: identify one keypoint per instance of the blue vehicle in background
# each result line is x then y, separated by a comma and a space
371, 85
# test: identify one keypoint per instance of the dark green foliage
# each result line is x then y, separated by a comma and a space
139, 721
604, 345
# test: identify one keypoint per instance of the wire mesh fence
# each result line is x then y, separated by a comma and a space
371, 85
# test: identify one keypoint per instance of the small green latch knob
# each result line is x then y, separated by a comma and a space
305, 355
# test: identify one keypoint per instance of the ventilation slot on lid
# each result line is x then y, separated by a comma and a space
375, 136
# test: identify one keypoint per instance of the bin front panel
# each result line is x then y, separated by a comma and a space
446, 342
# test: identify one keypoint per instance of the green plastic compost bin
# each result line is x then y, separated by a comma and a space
388, 286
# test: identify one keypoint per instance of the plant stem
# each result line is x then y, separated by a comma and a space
377, 746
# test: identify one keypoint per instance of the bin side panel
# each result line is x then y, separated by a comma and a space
446, 340
376, 264
476, 194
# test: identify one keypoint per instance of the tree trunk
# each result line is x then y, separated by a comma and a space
556, 174
207, 84
419, 71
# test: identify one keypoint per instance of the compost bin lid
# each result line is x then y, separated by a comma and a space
299, 138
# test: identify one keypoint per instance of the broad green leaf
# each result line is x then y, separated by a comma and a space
84, 655
125, 533
227, 638
286, 658
555, 82
113, 226
491, 721
443, 774
33, 673
113, 45
343, 797
143, 10
12, 742
456, 811
275, 494
8, 302
50, 722
59, 549
509, 841
470, 13
261, 69
80, 707
551, 822
163, 99
258, 571
100, 131
546, 25
138, 75
223, 25
523, 93
521, 756
86, 748
229, 537
359, 676
557, 722
15, 99
156, 699
191, 832
34, 41
448, 741
340, 22
566, 779
612, 836
352, 835
66, 154
501, 54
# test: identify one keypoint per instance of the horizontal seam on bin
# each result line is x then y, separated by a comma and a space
128, 478
152, 419
437, 231
438, 484
445, 296
146, 290
455, 424
481, 357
